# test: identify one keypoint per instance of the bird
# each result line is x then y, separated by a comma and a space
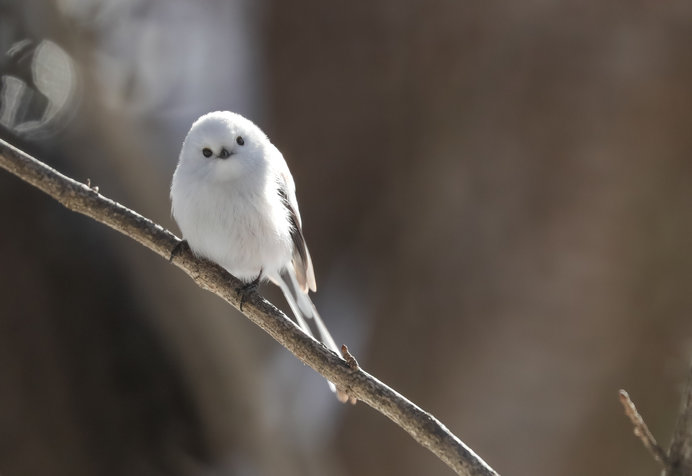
234, 200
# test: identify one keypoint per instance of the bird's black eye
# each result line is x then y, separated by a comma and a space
239, 140
224, 153
207, 152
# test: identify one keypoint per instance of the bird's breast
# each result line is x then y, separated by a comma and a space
243, 232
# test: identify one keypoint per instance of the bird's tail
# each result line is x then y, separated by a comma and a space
307, 316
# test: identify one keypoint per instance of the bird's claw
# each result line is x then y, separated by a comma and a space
247, 289
179, 248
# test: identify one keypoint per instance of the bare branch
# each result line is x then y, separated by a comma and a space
422, 426
642, 431
680, 451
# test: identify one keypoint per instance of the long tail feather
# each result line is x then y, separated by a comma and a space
291, 295
305, 311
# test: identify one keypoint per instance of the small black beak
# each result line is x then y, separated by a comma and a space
224, 154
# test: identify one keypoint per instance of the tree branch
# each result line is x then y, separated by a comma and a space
680, 451
641, 430
678, 460
78, 197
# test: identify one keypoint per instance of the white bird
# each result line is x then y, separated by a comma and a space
234, 200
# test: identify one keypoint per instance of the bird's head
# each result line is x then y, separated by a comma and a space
224, 146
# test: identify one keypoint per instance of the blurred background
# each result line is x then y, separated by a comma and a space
496, 196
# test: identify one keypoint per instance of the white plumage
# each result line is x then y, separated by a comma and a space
234, 200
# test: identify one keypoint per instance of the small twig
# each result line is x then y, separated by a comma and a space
95, 188
350, 359
343, 395
641, 430
680, 451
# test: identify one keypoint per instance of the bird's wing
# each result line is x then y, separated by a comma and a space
302, 263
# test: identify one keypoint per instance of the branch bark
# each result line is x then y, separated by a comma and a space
81, 198
641, 430
680, 451
677, 461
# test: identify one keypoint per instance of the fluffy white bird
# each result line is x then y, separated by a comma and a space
234, 200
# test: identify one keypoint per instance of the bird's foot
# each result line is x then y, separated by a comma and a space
247, 289
179, 248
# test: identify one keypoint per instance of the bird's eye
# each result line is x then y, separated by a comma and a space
239, 140
224, 153
207, 152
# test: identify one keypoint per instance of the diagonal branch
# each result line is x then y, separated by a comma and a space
680, 451
422, 426
641, 430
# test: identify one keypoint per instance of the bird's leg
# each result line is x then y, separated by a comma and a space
248, 288
179, 248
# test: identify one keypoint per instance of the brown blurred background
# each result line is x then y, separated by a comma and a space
497, 198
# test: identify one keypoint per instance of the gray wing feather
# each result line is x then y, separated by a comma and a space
301, 256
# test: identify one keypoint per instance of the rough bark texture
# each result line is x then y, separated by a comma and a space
680, 451
677, 461
422, 426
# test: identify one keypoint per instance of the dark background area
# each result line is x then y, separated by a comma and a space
496, 198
